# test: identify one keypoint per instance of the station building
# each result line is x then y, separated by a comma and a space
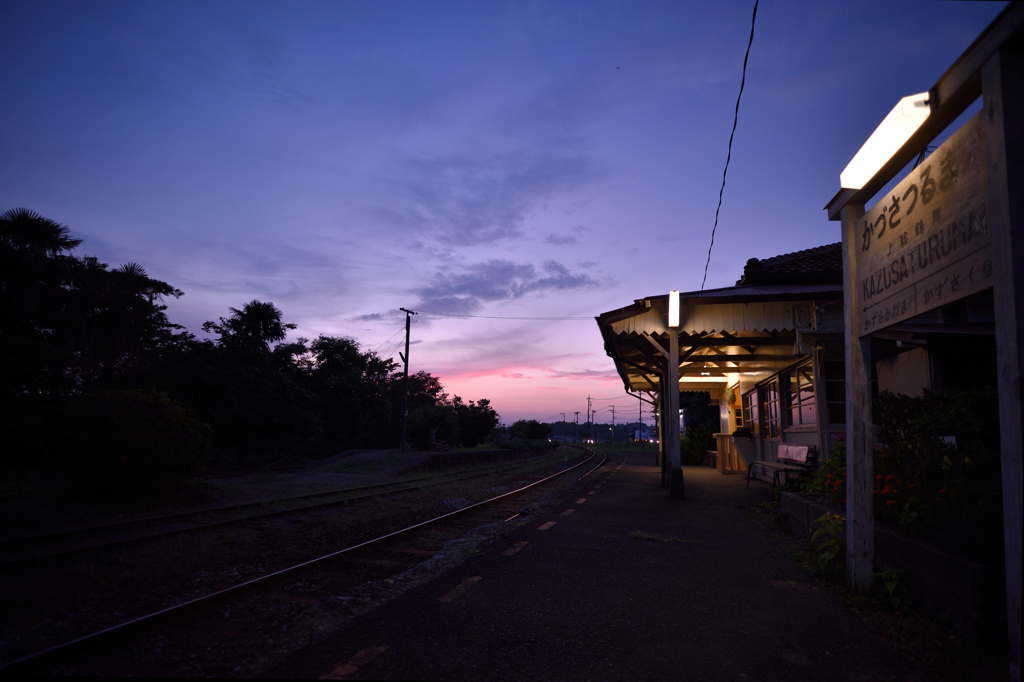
770, 351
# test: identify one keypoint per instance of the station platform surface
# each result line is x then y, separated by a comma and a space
629, 585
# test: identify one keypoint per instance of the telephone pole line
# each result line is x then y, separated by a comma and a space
405, 396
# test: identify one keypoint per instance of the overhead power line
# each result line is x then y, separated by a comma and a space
501, 317
736, 116
389, 339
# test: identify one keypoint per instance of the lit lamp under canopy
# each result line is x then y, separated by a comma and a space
673, 309
894, 130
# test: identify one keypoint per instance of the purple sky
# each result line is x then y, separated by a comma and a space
343, 159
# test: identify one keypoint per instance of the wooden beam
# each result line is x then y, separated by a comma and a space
948, 98
657, 346
743, 358
704, 342
860, 513
1003, 120
643, 370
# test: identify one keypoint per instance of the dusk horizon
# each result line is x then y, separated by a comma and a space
342, 161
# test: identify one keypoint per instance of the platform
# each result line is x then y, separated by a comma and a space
629, 585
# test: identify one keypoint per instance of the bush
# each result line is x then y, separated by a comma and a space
937, 472
947, 492
432, 424
695, 445
830, 476
133, 444
529, 430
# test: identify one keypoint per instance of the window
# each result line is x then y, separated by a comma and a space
835, 391
737, 407
770, 408
750, 411
800, 394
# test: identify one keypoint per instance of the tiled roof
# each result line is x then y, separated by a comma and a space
820, 265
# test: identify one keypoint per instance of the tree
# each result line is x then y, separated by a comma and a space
255, 326
476, 420
67, 323
529, 430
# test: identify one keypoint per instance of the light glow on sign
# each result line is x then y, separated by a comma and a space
902, 122
673, 309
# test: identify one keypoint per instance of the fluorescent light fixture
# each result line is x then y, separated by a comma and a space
673, 309
889, 136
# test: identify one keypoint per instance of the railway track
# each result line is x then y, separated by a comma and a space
223, 620
66, 541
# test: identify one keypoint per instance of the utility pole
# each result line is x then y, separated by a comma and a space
576, 428
613, 423
563, 425
405, 396
588, 415
640, 401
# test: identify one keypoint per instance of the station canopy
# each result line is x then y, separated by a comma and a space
772, 317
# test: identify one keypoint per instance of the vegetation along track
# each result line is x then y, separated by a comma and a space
202, 634
45, 545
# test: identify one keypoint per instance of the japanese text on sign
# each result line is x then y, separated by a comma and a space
927, 242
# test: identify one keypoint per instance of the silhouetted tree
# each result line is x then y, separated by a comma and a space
529, 430
255, 326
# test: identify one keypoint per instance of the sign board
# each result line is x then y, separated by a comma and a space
927, 242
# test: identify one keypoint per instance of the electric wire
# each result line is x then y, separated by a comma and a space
501, 317
383, 343
728, 156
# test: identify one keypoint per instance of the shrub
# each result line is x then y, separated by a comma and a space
133, 444
829, 542
937, 470
695, 445
830, 476
432, 424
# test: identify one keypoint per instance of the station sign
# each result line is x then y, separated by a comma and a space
927, 243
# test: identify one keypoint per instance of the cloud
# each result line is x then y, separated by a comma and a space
470, 199
561, 239
496, 280
515, 375
586, 374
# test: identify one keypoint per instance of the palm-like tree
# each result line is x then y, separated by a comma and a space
256, 324
27, 233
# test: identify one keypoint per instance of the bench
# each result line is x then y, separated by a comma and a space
791, 458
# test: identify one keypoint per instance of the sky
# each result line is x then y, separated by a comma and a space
498, 159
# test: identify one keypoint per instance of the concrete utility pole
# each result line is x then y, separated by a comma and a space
613, 423
563, 425
588, 414
405, 396
640, 401
576, 428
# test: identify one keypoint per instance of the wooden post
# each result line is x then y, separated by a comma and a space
675, 475
1003, 119
659, 419
860, 513
821, 402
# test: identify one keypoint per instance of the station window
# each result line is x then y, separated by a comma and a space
750, 411
770, 408
800, 396
835, 391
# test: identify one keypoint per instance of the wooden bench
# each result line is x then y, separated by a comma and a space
791, 458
